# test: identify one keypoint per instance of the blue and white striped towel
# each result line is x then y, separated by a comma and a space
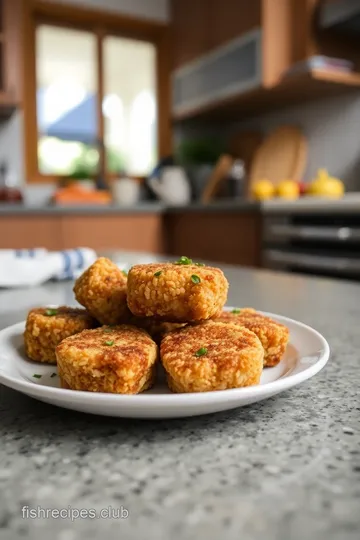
31, 267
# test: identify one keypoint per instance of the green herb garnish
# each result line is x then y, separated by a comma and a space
53, 375
157, 274
199, 264
195, 279
37, 376
51, 312
107, 330
124, 272
201, 352
236, 311
184, 260
109, 343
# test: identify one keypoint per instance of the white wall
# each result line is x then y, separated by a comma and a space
151, 9
11, 145
332, 128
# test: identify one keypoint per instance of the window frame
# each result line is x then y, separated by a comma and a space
102, 24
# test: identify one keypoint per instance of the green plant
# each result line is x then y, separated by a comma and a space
206, 150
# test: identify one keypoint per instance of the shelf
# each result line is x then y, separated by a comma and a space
292, 89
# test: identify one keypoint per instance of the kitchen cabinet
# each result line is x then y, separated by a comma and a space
132, 232
234, 57
10, 54
199, 26
231, 237
231, 19
190, 30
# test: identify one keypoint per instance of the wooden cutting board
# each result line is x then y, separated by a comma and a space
244, 145
282, 156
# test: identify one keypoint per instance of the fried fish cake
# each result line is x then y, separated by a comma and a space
175, 292
273, 335
101, 289
47, 327
117, 359
156, 328
211, 356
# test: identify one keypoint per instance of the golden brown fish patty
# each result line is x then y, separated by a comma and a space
102, 290
117, 359
211, 356
176, 293
156, 328
47, 327
273, 335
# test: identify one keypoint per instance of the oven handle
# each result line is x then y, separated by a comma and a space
341, 234
339, 264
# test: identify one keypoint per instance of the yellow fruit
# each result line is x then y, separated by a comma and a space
288, 189
326, 186
262, 190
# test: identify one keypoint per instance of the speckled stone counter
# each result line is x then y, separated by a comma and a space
287, 468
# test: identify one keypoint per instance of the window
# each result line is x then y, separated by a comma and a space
67, 128
129, 105
100, 95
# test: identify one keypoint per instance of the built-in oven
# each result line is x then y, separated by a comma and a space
322, 244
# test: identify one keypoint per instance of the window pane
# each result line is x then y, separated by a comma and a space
129, 105
66, 100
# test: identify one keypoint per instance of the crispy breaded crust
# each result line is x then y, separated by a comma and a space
233, 358
173, 295
273, 335
43, 332
102, 290
119, 360
156, 328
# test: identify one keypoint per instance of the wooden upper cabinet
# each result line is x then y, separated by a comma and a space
190, 30
232, 18
11, 18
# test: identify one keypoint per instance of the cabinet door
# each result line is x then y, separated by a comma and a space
11, 49
232, 18
190, 30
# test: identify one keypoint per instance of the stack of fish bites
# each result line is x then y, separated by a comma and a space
167, 310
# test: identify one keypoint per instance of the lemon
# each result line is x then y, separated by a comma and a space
262, 190
326, 186
288, 189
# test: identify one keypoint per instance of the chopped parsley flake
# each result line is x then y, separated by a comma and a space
37, 376
53, 375
201, 352
195, 279
184, 260
51, 312
236, 311
109, 343
157, 274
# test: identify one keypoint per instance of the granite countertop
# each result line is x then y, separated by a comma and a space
350, 203
144, 207
284, 469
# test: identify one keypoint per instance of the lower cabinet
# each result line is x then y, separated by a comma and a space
227, 237
133, 232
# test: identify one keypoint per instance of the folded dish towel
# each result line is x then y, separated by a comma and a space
31, 267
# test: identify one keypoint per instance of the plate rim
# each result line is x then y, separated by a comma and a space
173, 399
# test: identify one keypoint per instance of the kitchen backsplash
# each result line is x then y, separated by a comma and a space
331, 126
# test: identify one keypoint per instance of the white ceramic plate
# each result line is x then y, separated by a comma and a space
306, 354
